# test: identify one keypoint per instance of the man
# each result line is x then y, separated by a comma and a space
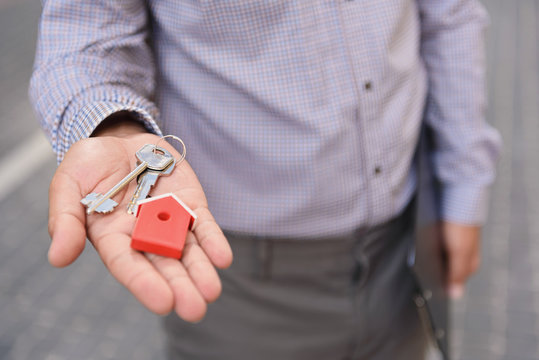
301, 119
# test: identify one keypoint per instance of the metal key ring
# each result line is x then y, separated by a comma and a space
184, 149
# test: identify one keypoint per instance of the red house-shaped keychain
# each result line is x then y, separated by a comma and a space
162, 225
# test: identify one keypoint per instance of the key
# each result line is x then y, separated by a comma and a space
154, 158
150, 157
146, 181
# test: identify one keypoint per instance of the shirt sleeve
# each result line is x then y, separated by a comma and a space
93, 59
466, 147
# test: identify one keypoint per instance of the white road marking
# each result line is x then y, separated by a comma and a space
19, 164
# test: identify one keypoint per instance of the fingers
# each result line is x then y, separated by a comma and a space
66, 220
162, 284
188, 302
457, 275
211, 239
201, 270
186, 186
194, 281
462, 244
135, 272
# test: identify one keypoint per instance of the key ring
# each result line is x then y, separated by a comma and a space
184, 149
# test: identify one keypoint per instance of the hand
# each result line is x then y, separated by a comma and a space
462, 247
161, 284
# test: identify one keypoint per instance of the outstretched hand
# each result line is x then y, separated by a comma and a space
159, 283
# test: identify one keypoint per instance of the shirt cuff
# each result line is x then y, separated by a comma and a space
466, 205
93, 105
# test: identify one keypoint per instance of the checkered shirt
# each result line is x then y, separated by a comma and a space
301, 117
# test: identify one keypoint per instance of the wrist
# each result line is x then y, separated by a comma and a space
120, 124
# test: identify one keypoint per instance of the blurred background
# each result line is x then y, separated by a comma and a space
80, 312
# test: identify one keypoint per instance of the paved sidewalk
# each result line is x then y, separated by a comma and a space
499, 317
80, 312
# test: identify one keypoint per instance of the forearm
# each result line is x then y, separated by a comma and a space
465, 146
101, 65
121, 124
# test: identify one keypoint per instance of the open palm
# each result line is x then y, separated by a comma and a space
161, 284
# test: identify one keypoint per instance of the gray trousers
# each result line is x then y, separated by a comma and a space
348, 297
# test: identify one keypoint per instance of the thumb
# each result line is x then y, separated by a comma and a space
457, 273
462, 249
66, 220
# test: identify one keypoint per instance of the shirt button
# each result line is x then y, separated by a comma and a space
377, 170
368, 85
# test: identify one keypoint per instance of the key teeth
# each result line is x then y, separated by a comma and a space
106, 207
88, 199
104, 211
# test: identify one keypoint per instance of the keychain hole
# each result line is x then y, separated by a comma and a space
158, 151
163, 216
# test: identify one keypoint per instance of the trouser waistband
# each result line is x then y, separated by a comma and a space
265, 256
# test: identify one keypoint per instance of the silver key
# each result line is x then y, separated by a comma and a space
146, 181
150, 157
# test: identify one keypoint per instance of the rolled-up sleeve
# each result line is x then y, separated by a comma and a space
93, 59
466, 147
